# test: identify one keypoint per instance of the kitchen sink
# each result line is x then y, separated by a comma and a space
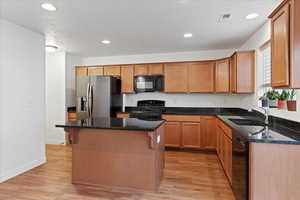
247, 122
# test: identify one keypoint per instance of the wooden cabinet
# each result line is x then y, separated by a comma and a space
95, 71
285, 39
224, 148
81, 71
156, 69
176, 78
173, 134
242, 72
222, 76
194, 131
191, 134
123, 115
201, 77
112, 71
208, 132
141, 70
127, 73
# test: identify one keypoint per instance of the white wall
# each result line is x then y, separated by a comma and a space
55, 96
163, 57
22, 102
255, 42
71, 62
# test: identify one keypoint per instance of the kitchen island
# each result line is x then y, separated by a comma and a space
121, 153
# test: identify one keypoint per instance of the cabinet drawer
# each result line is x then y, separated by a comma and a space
225, 128
181, 118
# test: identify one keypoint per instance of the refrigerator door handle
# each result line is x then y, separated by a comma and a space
87, 99
92, 100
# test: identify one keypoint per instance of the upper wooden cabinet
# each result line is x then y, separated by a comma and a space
95, 71
141, 69
127, 73
156, 69
81, 71
112, 71
176, 78
222, 76
201, 77
242, 72
285, 40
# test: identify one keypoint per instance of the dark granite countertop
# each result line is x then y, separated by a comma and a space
278, 132
130, 124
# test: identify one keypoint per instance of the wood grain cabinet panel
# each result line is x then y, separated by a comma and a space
140, 70
285, 40
81, 71
222, 76
242, 72
127, 73
176, 78
191, 135
112, 71
201, 77
173, 134
156, 69
208, 133
280, 47
95, 71
228, 157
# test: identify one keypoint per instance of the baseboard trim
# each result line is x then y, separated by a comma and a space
20, 170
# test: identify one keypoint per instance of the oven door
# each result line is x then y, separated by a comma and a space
148, 83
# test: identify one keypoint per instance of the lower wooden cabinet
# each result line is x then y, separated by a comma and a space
190, 131
191, 134
224, 148
173, 134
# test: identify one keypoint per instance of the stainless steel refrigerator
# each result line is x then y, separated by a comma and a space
98, 96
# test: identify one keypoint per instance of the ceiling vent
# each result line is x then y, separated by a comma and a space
224, 17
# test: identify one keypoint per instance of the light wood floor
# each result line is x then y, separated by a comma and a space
188, 176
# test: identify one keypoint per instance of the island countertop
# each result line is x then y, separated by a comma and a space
130, 124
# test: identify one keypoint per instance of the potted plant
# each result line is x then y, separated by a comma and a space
292, 103
264, 100
272, 98
282, 100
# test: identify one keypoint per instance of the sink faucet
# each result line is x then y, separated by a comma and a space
266, 114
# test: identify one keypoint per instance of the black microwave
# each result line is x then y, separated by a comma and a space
148, 84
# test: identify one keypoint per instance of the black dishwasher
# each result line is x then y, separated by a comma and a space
240, 167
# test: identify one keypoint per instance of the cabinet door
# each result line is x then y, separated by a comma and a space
173, 134
228, 157
95, 71
233, 74
201, 77
280, 47
191, 133
156, 69
176, 78
245, 72
208, 133
222, 76
112, 71
81, 71
140, 70
127, 72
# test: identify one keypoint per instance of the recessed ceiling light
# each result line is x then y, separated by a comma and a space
48, 6
188, 35
51, 48
252, 16
105, 41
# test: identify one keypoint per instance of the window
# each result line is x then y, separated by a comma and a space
266, 53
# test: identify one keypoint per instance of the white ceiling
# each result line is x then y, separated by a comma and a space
139, 26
